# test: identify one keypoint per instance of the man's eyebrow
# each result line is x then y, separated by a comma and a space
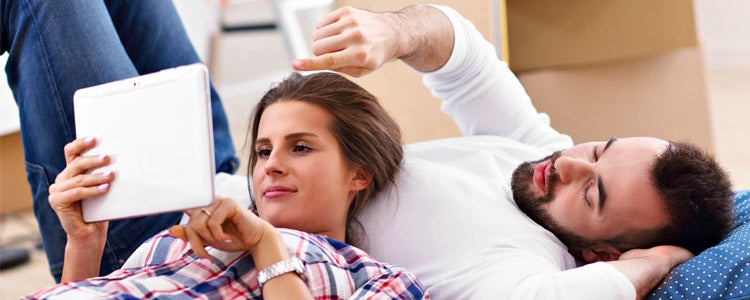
611, 141
602, 194
600, 184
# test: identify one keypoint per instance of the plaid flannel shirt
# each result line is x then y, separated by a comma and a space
335, 270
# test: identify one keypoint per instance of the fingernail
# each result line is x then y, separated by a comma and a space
106, 174
88, 139
102, 156
228, 241
103, 186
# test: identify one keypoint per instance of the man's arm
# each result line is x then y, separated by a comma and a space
646, 268
635, 274
357, 42
459, 65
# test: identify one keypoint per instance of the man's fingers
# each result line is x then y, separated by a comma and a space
332, 29
324, 62
312, 64
356, 72
349, 62
332, 17
330, 45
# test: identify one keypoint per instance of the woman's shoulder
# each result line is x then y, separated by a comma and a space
351, 268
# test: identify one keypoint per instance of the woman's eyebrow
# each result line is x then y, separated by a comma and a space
264, 140
299, 135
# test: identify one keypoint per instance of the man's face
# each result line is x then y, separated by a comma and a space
594, 191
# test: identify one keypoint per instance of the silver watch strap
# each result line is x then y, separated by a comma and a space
293, 264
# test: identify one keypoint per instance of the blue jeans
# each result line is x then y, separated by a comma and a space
56, 47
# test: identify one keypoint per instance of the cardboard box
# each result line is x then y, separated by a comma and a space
662, 95
551, 33
15, 194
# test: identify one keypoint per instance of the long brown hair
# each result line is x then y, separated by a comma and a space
368, 136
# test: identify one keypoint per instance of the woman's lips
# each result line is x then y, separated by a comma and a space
274, 192
540, 176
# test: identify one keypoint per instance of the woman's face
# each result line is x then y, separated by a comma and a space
301, 180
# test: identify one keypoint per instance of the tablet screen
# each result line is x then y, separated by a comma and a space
157, 130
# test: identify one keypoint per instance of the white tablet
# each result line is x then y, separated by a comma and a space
157, 130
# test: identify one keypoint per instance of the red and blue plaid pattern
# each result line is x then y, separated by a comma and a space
335, 270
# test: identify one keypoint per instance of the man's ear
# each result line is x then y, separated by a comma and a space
361, 180
600, 253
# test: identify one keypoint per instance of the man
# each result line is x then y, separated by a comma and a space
449, 223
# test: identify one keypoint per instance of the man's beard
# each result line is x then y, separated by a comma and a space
522, 184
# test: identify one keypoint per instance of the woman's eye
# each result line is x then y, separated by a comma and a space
301, 148
263, 152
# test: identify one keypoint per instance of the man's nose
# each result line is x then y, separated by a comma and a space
571, 169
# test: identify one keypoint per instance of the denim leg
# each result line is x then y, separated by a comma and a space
55, 48
155, 39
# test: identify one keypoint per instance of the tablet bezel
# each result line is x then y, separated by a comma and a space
157, 130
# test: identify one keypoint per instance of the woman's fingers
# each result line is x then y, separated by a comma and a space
208, 222
178, 231
211, 226
196, 243
81, 165
99, 181
197, 229
78, 164
222, 211
78, 146
62, 200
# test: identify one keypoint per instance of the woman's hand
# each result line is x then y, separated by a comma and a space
71, 186
225, 225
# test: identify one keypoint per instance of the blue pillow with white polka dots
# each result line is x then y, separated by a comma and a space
720, 272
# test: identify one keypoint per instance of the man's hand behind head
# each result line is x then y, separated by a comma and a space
645, 268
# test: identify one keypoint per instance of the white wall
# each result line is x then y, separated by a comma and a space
201, 21
9, 121
724, 30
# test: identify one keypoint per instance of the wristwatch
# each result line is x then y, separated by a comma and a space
285, 266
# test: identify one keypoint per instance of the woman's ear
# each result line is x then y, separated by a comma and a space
361, 180
600, 253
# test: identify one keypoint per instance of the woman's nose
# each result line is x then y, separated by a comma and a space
571, 169
274, 164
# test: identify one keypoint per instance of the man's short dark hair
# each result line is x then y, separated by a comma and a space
698, 196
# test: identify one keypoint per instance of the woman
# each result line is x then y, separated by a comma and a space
322, 147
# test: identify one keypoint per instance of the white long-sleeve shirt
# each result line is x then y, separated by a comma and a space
452, 220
